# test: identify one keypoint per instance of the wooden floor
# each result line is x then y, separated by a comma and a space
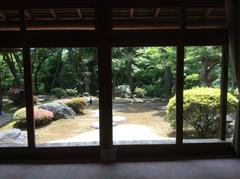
180, 169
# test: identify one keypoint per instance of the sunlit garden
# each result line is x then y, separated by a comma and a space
66, 95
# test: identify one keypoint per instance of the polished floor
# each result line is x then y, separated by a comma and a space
182, 169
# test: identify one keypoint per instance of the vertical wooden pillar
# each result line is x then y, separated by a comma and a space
179, 94
103, 29
179, 82
105, 96
233, 22
223, 97
28, 86
29, 96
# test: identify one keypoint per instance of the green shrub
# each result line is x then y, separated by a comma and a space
41, 117
140, 92
201, 110
77, 104
235, 93
192, 81
58, 92
72, 92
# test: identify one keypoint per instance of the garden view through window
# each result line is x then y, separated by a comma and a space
65, 85
202, 95
12, 98
144, 80
65, 96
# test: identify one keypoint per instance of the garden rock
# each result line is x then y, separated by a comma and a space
13, 136
138, 100
231, 117
123, 91
5, 118
42, 98
59, 110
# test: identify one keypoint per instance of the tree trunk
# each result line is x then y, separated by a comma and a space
19, 64
37, 72
168, 82
207, 75
58, 69
12, 68
129, 76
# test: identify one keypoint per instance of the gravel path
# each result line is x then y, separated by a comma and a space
128, 132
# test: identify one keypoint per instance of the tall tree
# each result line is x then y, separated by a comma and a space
13, 59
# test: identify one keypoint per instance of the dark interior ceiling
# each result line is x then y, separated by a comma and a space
158, 16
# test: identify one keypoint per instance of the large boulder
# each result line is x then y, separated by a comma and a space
5, 118
123, 91
59, 110
13, 137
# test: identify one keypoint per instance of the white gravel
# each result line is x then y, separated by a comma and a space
120, 133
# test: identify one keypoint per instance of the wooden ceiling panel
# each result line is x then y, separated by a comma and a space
122, 18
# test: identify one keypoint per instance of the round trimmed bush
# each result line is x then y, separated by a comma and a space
77, 104
201, 110
41, 117
58, 92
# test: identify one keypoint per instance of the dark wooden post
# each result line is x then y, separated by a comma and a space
179, 83
179, 94
1, 94
28, 86
103, 28
29, 96
223, 97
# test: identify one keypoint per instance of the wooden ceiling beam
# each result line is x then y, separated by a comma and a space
157, 13
208, 12
28, 16
79, 12
131, 12
2, 15
53, 13
41, 4
46, 4
168, 3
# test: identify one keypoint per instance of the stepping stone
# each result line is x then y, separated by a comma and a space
119, 118
95, 125
95, 113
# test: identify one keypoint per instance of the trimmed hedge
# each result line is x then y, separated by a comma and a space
77, 104
201, 110
41, 117
58, 92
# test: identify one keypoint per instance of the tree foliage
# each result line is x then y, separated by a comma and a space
150, 68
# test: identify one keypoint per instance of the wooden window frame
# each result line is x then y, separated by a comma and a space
104, 38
